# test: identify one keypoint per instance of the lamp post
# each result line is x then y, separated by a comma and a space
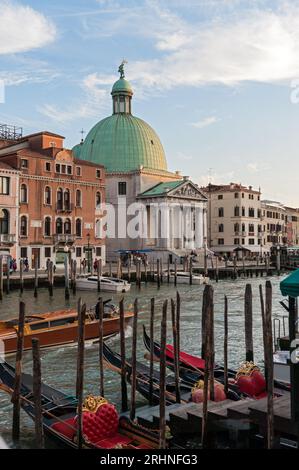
88, 251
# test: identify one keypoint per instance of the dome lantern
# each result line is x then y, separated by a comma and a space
122, 93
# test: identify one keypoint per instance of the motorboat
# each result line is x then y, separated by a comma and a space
107, 284
183, 277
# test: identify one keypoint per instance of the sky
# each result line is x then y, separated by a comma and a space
217, 79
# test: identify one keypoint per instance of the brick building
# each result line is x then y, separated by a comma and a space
9, 209
60, 200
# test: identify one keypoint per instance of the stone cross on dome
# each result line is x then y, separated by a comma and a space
121, 69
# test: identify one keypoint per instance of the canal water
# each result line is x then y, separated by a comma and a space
59, 365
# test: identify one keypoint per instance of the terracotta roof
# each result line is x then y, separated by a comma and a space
233, 187
77, 161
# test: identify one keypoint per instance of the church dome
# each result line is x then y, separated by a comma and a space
122, 142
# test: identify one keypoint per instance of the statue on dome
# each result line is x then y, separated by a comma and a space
121, 69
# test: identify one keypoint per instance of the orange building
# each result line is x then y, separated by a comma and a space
60, 200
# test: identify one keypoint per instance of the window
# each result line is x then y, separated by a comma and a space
67, 227
236, 195
78, 252
220, 241
220, 212
98, 173
259, 213
220, 196
78, 198
220, 228
48, 166
237, 211
243, 211
98, 251
78, 228
59, 229
122, 188
236, 241
48, 195
251, 241
251, 212
69, 170
63, 169
24, 194
47, 252
47, 230
4, 222
57, 168
60, 199
23, 252
236, 228
243, 228
23, 226
4, 185
98, 200
251, 228
52, 144
243, 195
67, 199
243, 241
99, 228
24, 164
78, 171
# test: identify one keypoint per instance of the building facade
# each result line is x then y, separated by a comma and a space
162, 212
274, 216
60, 201
234, 219
292, 225
9, 209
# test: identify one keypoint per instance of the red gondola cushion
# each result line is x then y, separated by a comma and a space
100, 425
67, 428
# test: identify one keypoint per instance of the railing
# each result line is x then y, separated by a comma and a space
7, 239
64, 207
64, 238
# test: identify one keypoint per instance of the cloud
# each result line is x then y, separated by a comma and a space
254, 44
23, 28
215, 178
89, 105
255, 167
208, 121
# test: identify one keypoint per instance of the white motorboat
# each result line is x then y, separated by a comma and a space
183, 277
108, 284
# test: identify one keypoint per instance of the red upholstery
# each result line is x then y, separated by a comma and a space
100, 425
66, 428
112, 442
190, 360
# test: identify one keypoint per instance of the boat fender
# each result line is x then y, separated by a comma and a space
100, 419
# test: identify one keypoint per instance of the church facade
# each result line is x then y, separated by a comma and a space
149, 209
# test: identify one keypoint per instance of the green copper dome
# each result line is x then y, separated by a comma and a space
122, 142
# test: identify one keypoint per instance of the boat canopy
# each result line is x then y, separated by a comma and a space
290, 285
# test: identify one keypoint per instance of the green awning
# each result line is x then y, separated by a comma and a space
290, 285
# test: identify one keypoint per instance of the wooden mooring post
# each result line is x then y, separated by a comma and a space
74, 277
124, 391
37, 394
248, 323
50, 278
175, 272
175, 351
100, 316
66, 278
225, 353
80, 369
7, 285
18, 373
21, 276
134, 362
158, 274
99, 273
35, 276
208, 305
190, 272
162, 405
152, 320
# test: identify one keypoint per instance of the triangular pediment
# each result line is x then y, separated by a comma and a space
187, 190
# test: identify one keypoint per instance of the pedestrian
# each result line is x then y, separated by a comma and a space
26, 265
95, 265
14, 265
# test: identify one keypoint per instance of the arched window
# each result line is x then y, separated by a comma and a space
23, 226
59, 226
237, 211
98, 200
48, 195
221, 228
67, 227
47, 230
4, 222
220, 212
243, 228
78, 228
60, 199
24, 193
67, 199
236, 228
78, 198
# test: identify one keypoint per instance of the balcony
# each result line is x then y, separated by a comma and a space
64, 239
69, 207
244, 234
7, 239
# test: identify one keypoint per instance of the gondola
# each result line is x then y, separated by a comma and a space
59, 417
143, 382
191, 368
